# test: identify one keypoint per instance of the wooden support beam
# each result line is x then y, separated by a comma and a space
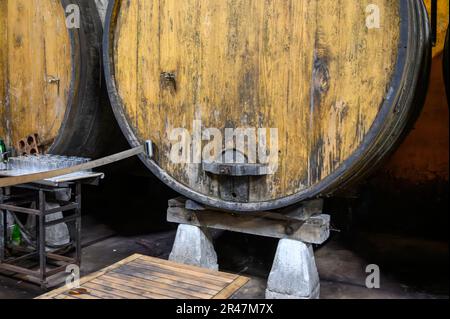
19, 270
17, 209
314, 230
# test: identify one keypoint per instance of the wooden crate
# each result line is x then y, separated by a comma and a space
143, 277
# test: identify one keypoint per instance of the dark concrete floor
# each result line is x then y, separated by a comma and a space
410, 268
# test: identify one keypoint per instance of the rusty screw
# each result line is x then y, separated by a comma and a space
289, 230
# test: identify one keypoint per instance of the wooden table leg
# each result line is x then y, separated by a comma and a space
3, 225
78, 224
41, 240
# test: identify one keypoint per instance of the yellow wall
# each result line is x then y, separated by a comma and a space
443, 17
424, 156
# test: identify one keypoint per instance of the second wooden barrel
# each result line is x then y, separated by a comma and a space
324, 89
50, 76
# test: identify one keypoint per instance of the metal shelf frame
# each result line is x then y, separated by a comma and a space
17, 200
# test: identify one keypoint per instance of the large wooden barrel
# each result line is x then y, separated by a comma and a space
50, 76
339, 82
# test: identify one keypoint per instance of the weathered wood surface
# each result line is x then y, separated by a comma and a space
311, 69
442, 23
142, 277
250, 64
313, 229
35, 69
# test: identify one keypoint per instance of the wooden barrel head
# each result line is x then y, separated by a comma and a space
50, 76
35, 69
326, 75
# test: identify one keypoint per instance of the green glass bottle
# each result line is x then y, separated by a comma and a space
16, 235
2, 151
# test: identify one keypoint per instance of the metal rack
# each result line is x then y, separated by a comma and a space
18, 199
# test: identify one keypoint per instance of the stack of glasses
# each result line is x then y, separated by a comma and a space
43, 163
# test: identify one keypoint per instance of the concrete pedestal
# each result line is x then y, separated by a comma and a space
294, 273
193, 246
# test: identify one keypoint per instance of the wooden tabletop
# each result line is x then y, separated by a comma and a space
143, 277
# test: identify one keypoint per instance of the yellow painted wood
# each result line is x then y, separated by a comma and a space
247, 63
443, 19
34, 48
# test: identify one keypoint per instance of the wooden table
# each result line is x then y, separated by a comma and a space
143, 277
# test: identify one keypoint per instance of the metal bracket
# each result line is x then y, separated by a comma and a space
149, 148
53, 79
235, 169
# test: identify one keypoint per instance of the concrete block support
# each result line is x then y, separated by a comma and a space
294, 273
193, 246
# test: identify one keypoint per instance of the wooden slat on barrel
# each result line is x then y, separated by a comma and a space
142, 277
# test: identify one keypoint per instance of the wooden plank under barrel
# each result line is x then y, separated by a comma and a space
337, 79
50, 76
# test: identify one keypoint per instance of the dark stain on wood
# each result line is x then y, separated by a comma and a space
316, 161
168, 81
